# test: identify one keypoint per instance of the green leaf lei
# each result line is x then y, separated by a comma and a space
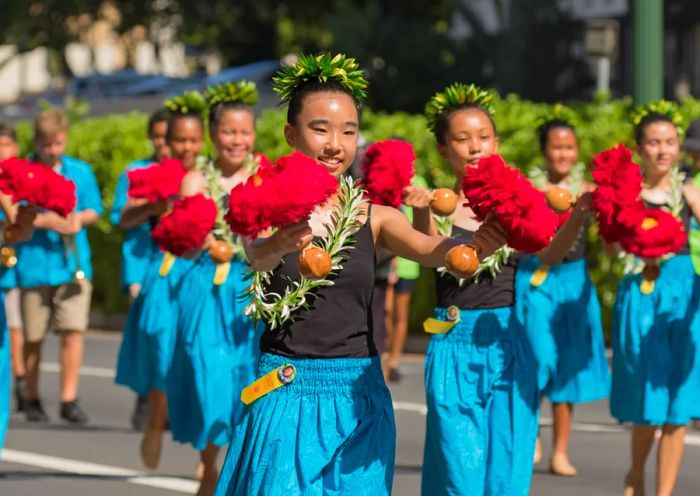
276, 309
490, 267
323, 68
453, 96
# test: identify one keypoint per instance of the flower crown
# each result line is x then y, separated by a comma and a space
188, 102
244, 92
664, 108
322, 68
453, 96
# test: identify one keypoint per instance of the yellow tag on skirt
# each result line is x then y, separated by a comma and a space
274, 379
647, 286
437, 326
539, 276
221, 273
167, 264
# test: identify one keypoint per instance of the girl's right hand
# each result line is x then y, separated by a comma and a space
293, 237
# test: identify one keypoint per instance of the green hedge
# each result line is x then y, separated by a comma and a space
109, 143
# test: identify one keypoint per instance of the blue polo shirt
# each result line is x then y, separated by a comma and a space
44, 260
138, 246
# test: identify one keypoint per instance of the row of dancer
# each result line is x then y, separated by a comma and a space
330, 426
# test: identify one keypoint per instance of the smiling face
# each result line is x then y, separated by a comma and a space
234, 136
470, 136
185, 140
659, 147
560, 151
326, 129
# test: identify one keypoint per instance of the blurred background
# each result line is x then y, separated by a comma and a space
112, 62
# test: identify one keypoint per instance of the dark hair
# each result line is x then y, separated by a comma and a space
156, 118
173, 117
218, 109
442, 123
8, 131
648, 120
295, 102
544, 129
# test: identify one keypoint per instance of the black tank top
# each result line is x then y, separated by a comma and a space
338, 320
485, 293
684, 217
580, 247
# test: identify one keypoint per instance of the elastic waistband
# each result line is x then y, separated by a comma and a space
327, 375
480, 325
563, 267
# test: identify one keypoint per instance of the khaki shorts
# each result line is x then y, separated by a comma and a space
63, 308
12, 310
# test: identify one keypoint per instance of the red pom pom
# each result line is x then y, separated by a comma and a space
187, 224
522, 210
37, 184
659, 233
616, 199
158, 181
281, 194
387, 168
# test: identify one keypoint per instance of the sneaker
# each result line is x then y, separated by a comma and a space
395, 375
139, 419
19, 394
71, 412
34, 412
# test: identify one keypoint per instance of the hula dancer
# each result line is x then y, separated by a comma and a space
138, 248
149, 337
656, 333
216, 347
320, 419
559, 305
480, 376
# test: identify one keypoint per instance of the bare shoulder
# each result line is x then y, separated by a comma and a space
193, 183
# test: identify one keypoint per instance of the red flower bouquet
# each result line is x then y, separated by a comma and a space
387, 169
37, 184
658, 234
522, 211
157, 181
281, 194
616, 199
187, 224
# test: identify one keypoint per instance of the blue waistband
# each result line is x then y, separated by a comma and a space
479, 325
531, 263
327, 375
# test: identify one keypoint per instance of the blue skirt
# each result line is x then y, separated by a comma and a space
215, 356
563, 323
656, 348
483, 406
149, 336
5, 372
330, 431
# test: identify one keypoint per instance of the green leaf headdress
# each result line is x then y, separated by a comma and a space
322, 68
664, 108
244, 92
455, 95
190, 102
558, 112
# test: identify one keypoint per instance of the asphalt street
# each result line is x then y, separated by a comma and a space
102, 458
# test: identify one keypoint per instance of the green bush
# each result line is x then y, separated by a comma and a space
109, 143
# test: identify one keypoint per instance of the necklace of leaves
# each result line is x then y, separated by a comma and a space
489, 267
212, 175
277, 309
676, 201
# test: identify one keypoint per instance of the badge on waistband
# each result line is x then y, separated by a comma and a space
281, 376
539, 276
221, 273
167, 264
436, 326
